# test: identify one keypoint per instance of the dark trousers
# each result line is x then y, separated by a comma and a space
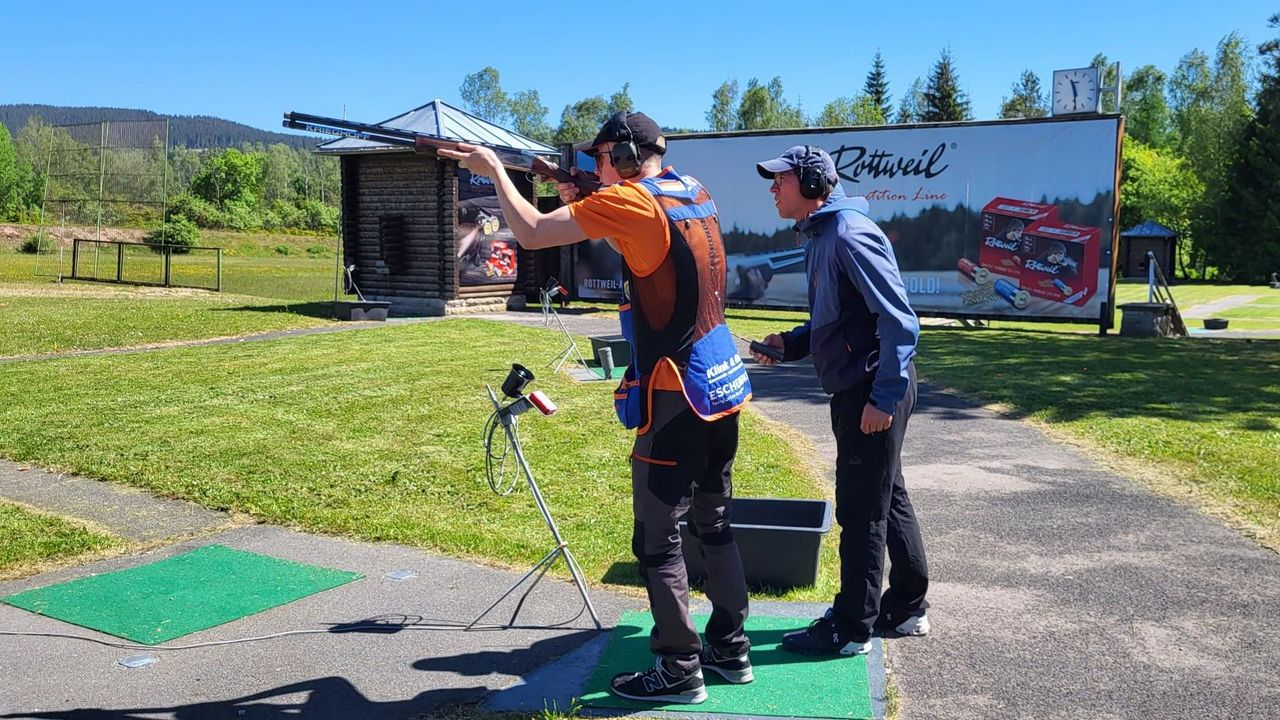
685, 464
874, 511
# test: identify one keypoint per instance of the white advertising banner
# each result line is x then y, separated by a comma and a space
1010, 219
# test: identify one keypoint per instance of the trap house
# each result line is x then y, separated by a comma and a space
422, 233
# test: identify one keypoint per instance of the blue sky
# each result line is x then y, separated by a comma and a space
249, 62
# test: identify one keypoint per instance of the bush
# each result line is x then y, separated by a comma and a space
318, 251
31, 245
318, 216
283, 216
282, 249
179, 233
242, 217
197, 210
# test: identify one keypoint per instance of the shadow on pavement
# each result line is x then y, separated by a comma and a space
335, 698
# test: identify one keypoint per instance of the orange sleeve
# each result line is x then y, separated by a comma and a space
630, 216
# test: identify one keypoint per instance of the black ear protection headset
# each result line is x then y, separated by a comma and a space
813, 183
624, 155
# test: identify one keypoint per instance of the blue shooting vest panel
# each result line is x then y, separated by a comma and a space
714, 379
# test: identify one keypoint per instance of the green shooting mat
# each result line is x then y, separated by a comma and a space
159, 601
786, 684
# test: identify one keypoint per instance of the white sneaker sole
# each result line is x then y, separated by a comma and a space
855, 648
685, 698
914, 627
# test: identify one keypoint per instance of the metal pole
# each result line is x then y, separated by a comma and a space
119, 262
168, 257
1119, 85
44, 195
1151, 278
75, 259
337, 267
102, 174
219, 281
164, 185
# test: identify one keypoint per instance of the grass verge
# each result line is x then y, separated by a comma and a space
65, 318
30, 540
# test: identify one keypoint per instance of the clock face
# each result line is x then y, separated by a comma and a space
1075, 91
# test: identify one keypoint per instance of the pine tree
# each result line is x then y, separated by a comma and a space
944, 101
1251, 215
1028, 100
911, 109
877, 87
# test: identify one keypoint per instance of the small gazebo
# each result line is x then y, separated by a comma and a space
424, 234
1137, 241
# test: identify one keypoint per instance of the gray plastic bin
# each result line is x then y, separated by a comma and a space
618, 345
778, 538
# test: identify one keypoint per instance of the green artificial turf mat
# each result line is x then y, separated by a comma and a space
786, 684
160, 601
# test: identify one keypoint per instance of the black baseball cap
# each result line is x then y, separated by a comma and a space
643, 131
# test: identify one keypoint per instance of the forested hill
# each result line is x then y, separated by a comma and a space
198, 131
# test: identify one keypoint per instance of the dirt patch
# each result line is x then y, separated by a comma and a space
12, 235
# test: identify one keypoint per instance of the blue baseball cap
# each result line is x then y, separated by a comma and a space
799, 156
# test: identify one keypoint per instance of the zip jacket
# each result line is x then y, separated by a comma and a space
861, 327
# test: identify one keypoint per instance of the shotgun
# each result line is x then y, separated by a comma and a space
513, 158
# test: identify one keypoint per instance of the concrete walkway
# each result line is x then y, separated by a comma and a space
1060, 590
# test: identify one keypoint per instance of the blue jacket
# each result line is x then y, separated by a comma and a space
861, 327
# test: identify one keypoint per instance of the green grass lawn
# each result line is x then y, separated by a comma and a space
373, 434
1260, 314
279, 266
1201, 415
54, 319
29, 538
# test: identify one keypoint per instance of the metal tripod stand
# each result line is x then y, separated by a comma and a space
507, 415
571, 346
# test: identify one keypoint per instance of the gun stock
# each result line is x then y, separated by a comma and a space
513, 158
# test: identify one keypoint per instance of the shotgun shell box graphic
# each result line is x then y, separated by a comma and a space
1016, 296
1061, 257
973, 271
1001, 227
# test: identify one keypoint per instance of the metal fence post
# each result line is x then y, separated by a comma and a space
119, 262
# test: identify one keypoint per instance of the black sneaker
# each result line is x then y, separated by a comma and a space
822, 637
658, 685
736, 670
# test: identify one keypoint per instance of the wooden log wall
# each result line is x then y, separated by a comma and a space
397, 224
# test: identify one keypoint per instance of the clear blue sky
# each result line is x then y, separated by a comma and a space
249, 62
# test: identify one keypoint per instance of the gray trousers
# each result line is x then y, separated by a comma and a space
684, 464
